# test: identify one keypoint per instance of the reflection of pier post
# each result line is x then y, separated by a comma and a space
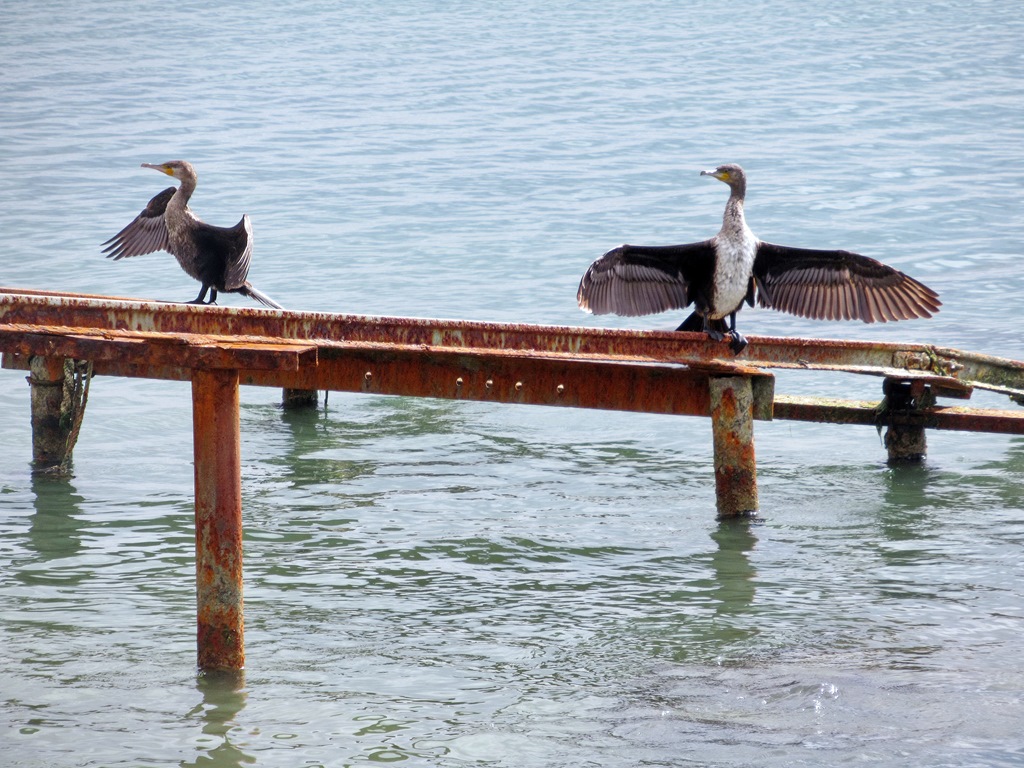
223, 698
218, 477
732, 421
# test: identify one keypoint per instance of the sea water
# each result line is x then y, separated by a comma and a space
458, 584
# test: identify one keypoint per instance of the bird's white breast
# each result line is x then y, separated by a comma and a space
733, 265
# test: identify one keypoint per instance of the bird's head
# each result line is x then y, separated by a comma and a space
179, 169
731, 174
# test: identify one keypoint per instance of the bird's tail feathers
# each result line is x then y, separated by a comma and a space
262, 298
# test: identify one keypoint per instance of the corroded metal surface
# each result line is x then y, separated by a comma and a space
959, 369
218, 488
528, 380
49, 436
322, 351
732, 406
188, 351
507, 376
957, 418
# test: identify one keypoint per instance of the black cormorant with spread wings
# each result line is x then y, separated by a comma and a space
218, 257
719, 274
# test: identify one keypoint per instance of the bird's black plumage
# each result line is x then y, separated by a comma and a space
719, 274
218, 257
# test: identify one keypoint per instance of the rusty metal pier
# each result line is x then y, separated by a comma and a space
218, 349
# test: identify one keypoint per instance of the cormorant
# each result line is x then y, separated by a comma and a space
719, 274
218, 257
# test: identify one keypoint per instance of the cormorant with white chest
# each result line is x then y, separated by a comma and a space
218, 257
734, 266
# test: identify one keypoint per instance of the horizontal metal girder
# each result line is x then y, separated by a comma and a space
470, 374
959, 370
523, 379
838, 411
156, 349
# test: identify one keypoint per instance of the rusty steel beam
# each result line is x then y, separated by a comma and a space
522, 379
342, 367
956, 418
218, 488
732, 414
961, 369
188, 351
470, 374
936, 366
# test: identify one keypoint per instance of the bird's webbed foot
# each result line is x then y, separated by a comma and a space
715, 329
738, 343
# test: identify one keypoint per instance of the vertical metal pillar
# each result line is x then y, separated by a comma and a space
905, 438
49, 440
60, 389
732, 424
299, 398
216, 437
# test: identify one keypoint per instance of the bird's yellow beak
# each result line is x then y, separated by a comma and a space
161, 168
716, 174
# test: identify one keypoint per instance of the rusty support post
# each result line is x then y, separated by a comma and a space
732, 422
218, 487
49, 438
299, 398
905, 437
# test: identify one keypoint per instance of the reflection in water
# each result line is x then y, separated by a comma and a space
302, 463
908, 503
733, 570
308, 427
715, 614
223, 698
56, 529
326, 453
1010, 472
733, 590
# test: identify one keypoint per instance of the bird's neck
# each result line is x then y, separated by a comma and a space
734, 223
178, 203
177, 216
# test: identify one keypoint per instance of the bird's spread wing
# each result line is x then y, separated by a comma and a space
642, 280
146, 233
838, 285
236, 245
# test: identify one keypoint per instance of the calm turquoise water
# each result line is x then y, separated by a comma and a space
452, 584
